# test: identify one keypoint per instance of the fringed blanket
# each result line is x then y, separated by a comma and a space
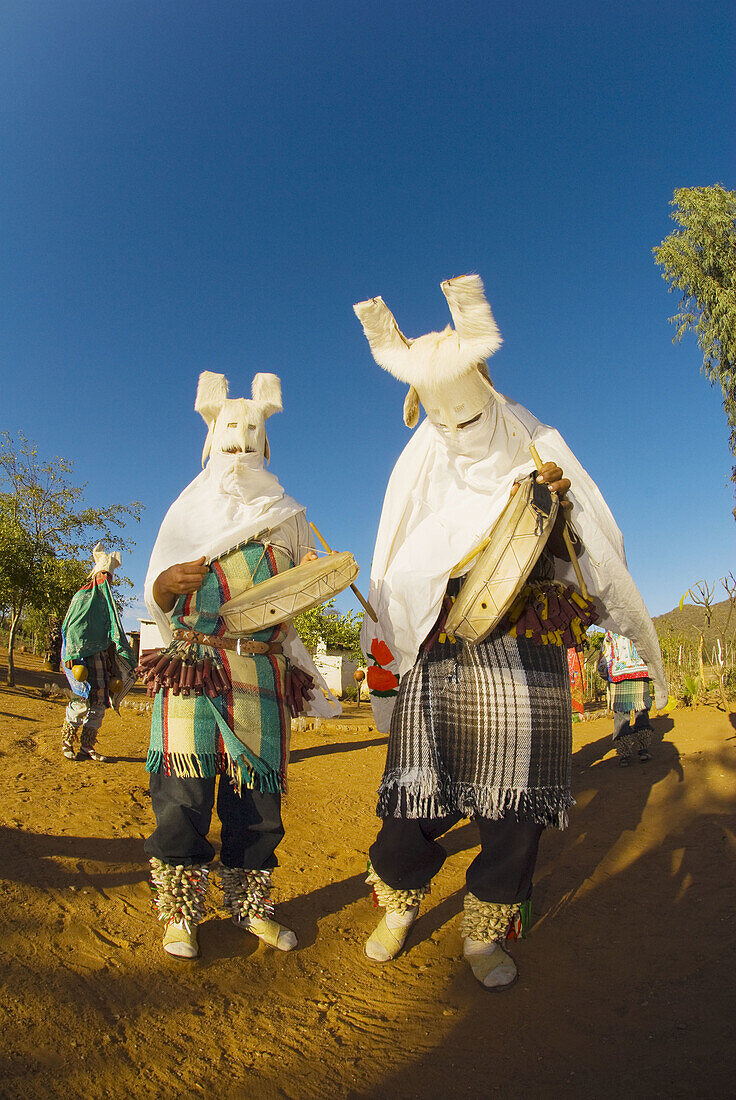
481, 730
245, 731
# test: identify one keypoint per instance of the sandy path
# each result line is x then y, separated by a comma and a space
626, 980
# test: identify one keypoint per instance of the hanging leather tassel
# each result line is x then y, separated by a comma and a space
171, 676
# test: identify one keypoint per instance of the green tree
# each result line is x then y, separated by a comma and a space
45, 531
699, 259
326, 624
58, 581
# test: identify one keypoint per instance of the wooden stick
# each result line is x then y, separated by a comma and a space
565, 535
365, 603
473, 554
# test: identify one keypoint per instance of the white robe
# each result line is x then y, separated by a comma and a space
444, 495
232, 500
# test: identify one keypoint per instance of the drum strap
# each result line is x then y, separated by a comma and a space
239, 645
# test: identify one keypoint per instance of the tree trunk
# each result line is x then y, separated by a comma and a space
11, 642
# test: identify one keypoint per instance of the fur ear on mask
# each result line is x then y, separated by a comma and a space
471, 314
411, 408
387, 342
211, 396
266, 390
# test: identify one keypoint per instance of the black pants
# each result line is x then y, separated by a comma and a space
251, 823
406, 855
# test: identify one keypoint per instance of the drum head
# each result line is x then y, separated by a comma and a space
280, 598
516, 541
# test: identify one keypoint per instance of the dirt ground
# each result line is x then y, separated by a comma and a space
626, 985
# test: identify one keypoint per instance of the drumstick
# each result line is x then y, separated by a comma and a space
565, 535
365, 603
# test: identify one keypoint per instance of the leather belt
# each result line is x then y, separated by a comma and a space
238, 645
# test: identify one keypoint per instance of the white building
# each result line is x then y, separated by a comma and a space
336, 668
150, 637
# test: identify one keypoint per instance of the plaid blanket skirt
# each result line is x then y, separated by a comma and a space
481, 731
245, 732
630, 695
96, 688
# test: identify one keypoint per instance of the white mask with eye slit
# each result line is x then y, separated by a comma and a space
237, 426
445, 370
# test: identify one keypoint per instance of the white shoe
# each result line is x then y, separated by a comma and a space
180, 940
491, 965
270, 932
389, 936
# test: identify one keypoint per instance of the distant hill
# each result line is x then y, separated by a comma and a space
690, 620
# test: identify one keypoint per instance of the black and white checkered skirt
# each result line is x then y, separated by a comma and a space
482, 731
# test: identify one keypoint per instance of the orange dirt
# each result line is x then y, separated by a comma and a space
626, 985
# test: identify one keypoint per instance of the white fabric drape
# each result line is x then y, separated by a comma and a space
233, 499
443, 496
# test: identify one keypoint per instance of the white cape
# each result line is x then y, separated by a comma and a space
230, 501
440, 503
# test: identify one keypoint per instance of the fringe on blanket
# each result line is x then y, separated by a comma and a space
206, 766
546, 805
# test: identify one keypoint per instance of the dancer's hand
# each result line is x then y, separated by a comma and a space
178, 580
551, 474
309, 556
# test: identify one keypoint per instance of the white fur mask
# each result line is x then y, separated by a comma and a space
445, 370
237, 425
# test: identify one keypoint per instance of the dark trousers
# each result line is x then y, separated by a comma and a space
406, 855
251, 823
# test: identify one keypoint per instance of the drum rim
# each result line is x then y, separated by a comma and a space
255, 595
514, 511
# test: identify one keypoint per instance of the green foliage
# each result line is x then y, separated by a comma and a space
44, 532
61, 578
690, 689
593, 641
699, 259
670, 643
326, 624
22, 559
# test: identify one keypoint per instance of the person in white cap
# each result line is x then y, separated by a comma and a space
223, 703
480, 731
96, 658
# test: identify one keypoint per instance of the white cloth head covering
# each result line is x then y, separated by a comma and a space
231, 500
448, 487
103, 562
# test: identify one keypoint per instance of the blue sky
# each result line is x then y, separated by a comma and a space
211, 185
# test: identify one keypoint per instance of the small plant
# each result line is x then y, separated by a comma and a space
690, 689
